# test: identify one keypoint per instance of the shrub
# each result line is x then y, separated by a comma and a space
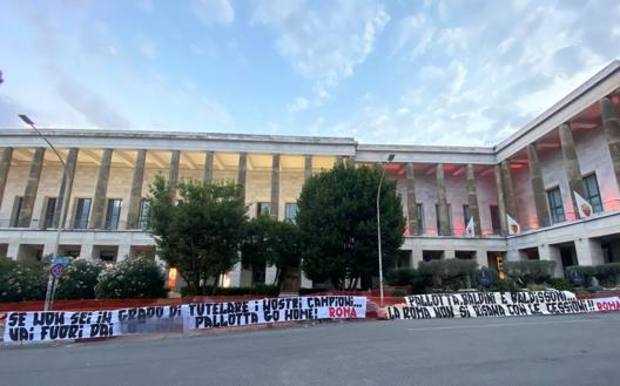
78, 280
260, 290
311, 291
398, 293
485, 278
560, 284
530, 271
449, 274
606, 274
400, 276
133, 278
21, 281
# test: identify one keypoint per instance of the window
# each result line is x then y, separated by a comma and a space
556, 207
420, 209
143, 221
495, 222
263, 208
17, 209
592, 193
290, 209
113, 213
48, 216
439, 230
466, 214
82, 210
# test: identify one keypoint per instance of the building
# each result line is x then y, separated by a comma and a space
530, 176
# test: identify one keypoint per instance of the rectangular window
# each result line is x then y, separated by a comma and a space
495, 221
290, 209
420, 209
50, 209
17, 209
556, 207
263, 208
82, 211
143, 221
113, 213
439, 230
466, 214
593, 195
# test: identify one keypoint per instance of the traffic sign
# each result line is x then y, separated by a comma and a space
62, 260
56, 270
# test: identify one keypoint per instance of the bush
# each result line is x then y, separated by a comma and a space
400, 276
132, 278
260, 290
530, 271
398, 293
311, 291
449, 274
560, 284
78, 280
21, 281
485, 278
606, 274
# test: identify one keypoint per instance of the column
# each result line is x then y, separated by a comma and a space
98, 209
275, 186
243, 166
339, 160
64, 195
611, 123
208, 172
30, 194
472, 197
589, 252
509, 195
135, 195
12, 250
571, 165
501, 206
412, 208
5, 164
173, 173
550, 252
307, 167
123, 253
270, 274
449, 254
538, 186
417, 255
444, 226
481, 257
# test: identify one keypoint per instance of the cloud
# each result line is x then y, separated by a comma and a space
213, 11
149, 50
300, 104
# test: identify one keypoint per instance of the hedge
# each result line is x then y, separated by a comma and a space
449, 274
78, 280
261, 290
530, 271
20, 280
606, 274
132, 278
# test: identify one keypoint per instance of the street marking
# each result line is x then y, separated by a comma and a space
499, 325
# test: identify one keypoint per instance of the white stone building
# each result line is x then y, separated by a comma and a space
573, 146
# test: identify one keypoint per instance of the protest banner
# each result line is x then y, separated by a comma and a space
607, 304
252, 312
152, 319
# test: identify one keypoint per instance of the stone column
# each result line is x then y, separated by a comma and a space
417, 255
270, 274
571, 165
173, 173
124, 252
589, 252
275, 185
307, 167
64, 195
32, 186
509, 195
538, 186
481, 257
412, 207
449, 254
98, 210
611, 123
550, 252
339, 160
243, 167
444, 225
135, 195
472, 197
5, 165
501, 203
208, 172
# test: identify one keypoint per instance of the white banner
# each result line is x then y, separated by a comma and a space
607, 304
274, 310
45, 326
489, 304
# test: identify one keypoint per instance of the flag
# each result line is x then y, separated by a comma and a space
513, 226
406, 232
470, 229
583, 207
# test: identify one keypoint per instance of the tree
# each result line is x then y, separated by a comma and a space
337, 219
200, 233
267, 241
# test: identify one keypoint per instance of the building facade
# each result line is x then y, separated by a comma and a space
572, 147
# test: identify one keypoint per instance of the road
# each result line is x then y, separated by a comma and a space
553, 350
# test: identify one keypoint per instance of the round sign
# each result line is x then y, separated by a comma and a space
577, 278
56, 270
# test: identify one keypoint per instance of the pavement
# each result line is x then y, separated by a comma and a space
549, 350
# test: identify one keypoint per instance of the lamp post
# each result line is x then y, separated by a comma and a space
49, 298
389, 159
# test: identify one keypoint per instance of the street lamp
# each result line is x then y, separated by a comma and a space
50, 281
389, 159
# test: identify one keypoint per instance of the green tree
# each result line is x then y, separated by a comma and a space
267, 241
198, 233
337, 219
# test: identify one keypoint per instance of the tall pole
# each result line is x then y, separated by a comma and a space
63, 207
390, 158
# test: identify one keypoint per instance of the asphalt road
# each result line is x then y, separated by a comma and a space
553, 350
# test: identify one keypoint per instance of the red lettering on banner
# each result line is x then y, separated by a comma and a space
342, 312
608, 306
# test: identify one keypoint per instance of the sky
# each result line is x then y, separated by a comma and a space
458, 72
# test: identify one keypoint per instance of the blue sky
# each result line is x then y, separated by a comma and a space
458, 72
